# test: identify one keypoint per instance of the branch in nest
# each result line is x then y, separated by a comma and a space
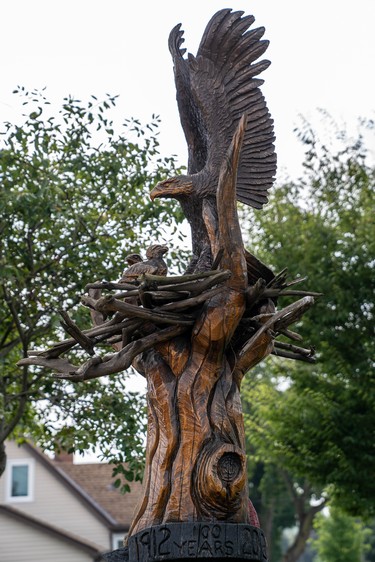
296, 281
126, 294
164, 296
62, 366
279, 280
110, 304
97, 366
292, 313
100, 333
295, 356
291, 335
191, 302
278, 320
161, 280
300, 353
254, 293
196, 287
72, 329
110, 286
269, 293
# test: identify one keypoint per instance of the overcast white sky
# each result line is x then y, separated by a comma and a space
322, 54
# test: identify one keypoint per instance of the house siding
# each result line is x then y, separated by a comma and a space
55, 504
20, 543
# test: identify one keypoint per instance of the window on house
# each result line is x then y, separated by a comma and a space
20, 481
118, 540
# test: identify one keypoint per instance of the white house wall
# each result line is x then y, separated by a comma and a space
20, 542
55, 504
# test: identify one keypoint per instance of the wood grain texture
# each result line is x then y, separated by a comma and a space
196, 458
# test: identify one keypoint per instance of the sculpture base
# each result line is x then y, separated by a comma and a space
185, 541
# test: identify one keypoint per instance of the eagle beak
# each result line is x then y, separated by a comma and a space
173, 187
157, 192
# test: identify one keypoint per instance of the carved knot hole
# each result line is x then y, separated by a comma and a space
229, 467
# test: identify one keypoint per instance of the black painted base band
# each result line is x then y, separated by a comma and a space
187, 541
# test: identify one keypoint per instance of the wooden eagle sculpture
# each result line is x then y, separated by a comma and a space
194, 337
214, 89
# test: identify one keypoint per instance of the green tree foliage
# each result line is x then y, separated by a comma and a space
286, 499
340, 538
316, 424
73, 203
323, 425
269, 494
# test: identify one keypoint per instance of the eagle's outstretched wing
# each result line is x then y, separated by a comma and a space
190, 116
214, 89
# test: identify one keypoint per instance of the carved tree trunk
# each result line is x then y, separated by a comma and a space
196, 462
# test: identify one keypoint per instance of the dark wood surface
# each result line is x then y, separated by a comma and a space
191, 541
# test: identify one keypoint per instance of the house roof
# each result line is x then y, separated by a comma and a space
93, 483
86, 546
97, 481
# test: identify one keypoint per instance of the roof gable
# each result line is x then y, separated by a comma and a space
93, 484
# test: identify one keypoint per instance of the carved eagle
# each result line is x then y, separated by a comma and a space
214, 89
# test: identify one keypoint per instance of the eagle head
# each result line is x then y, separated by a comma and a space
176, 187
133, 258
156, 251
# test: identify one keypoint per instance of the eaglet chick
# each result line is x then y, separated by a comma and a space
154, 264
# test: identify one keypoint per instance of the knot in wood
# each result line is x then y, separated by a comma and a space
219, 481
229, 467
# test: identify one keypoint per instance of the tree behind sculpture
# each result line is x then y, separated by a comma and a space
53, 241
327, 436
319, 429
